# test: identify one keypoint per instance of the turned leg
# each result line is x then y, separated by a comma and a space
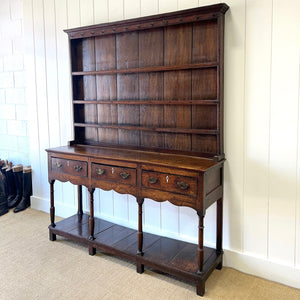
91, 218
52, 236
139, 266
92, 250
200, 251
79, 195
219, 230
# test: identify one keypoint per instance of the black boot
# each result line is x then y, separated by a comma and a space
27, 190
18, 174
3, 195
11, 185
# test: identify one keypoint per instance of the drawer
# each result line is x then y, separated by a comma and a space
68, 166
114, 173
170, 182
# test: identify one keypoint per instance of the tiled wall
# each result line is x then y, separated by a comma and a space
14, 134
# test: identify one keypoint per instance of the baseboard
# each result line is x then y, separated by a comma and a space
245, 263
259, 267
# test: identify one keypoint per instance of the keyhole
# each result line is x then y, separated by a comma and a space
112, 170
167, 179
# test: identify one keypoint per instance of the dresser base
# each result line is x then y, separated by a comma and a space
174, 257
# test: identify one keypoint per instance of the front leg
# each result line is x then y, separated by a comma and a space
140, 201
52, 236
92, 250
91, 218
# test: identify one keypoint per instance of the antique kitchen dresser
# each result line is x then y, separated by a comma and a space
148, 121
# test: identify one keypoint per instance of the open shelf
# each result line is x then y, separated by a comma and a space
178, 257
203, 65
148, 102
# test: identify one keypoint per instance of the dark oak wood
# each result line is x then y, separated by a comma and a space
148, 121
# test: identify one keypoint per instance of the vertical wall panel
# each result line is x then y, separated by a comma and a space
87, 12
41, 91
100, 11
233, 123
185, 4
132, 9
64, 89
257, 105
149, 7
31, 96
115, 10
73, 13
167, 6
283, 130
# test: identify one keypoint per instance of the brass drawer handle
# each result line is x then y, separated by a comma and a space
100, 171
152, 180
124, 175
182, 185
58, 164
77, 168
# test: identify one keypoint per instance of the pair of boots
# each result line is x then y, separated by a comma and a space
18, 188
3, 188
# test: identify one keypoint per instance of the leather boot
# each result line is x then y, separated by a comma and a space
18, 174
27, 190
11, 185
3, 195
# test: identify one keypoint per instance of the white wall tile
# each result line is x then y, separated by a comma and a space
17, 128
6, 80
15, 95
20, 79
7, 111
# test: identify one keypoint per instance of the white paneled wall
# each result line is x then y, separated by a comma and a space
262, 171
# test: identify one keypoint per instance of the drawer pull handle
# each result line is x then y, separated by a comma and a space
58, 165
124, 175
77, 168
182, 185
152, 180
100, 171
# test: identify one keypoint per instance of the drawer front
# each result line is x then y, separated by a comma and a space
170, 182
68, 166
114, 173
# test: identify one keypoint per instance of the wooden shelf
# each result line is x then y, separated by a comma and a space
149, 69
148, 102
158, 129
159, 252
